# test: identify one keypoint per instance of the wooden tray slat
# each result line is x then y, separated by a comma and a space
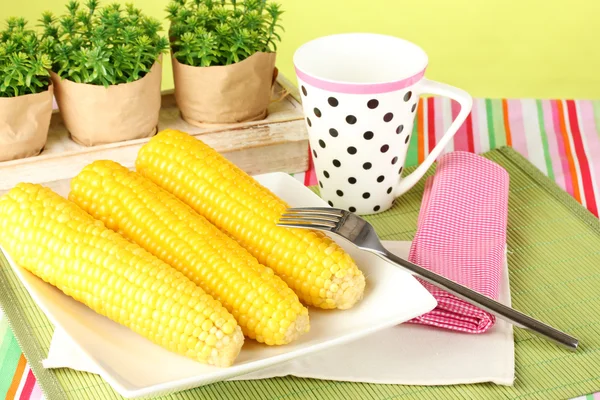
278, 143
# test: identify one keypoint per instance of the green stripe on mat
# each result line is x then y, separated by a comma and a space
554, 254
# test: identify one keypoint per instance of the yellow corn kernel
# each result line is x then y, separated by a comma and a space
248, 212
60, 243
172, 231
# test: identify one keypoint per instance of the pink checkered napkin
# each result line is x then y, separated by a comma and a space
461, 234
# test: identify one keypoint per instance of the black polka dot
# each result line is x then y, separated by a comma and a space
389, 190
351, 119
394, 160
373, 103
407, 139
376, 208
367, 165
337, 163
314, 153
400, 170
366, 195
380, 178
339, 193
414, 107
407, 96
384, 148
333, 102
351, 150
388, 117
326, 174
308, 121
399, 129
321, 143
317, 112
330, 203
352, 180
321, 184
333, 132
304, 91
352, 209
368, 135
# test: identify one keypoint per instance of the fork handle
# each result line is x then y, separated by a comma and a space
501, 311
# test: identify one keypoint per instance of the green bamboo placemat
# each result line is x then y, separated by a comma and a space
554, 264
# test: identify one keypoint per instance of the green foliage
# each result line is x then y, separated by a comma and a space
23, 66
102, 45
222, 32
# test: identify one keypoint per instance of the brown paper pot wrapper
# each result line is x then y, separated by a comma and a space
24, 123
224, 94
97, 115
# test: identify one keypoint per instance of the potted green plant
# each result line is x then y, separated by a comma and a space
106, 70
25, 92
223, 55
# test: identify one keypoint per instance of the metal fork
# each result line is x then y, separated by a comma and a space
362, 234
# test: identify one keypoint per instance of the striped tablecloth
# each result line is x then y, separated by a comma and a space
560, 137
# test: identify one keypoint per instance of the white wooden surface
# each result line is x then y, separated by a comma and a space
279, 143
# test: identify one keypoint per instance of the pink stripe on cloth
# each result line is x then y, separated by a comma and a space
461, 140
587, 124
477, 148
461, 234
36, 393
517, 126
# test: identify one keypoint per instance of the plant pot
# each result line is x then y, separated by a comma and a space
222, 94
24, 123
96, 114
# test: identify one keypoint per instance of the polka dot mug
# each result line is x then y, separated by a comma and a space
360, 92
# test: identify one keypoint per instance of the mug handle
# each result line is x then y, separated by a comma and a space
466, 103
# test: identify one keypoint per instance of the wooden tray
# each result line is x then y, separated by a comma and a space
278, 143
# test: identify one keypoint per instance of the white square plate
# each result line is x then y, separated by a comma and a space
134, 366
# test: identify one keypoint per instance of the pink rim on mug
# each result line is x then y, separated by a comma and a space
368, 86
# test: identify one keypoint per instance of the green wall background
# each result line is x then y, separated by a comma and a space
491, 48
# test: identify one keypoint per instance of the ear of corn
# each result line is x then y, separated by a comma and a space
313, 265
264, 306
60, 243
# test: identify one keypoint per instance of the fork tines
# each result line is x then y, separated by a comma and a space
311, 218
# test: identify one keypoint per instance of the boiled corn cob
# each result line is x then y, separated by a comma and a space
264, 306
63, 245
313, 265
